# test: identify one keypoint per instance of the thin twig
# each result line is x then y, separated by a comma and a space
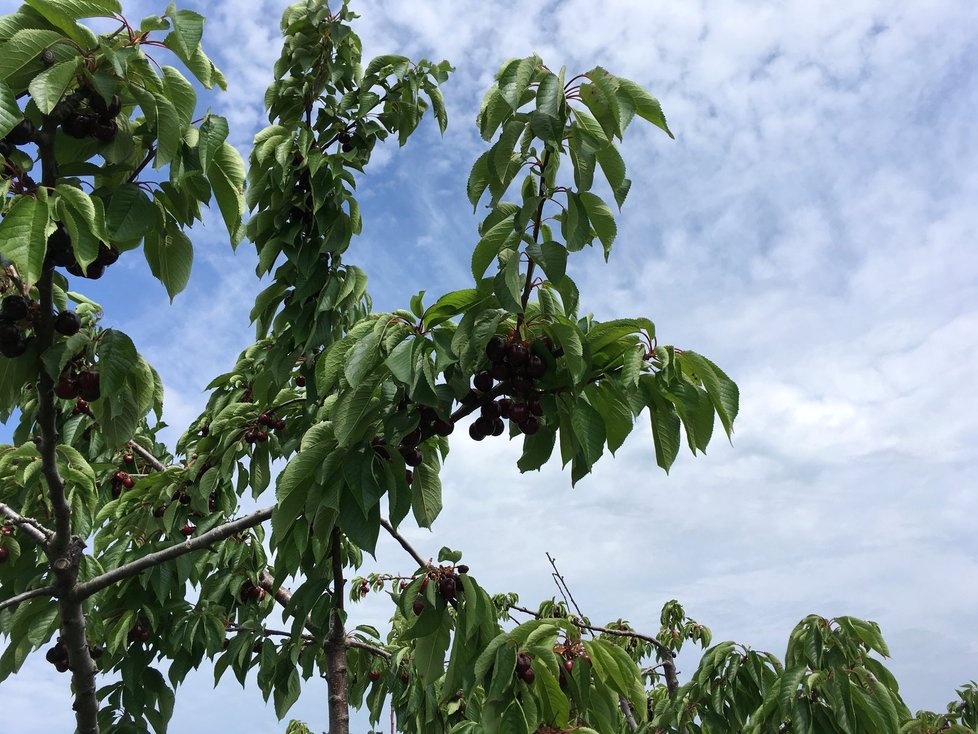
562, 584
27, 595
146, 456
404, 544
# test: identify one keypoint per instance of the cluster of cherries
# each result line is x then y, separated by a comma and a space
250, 591
449, 582
83, 384
57, 654
512, 363
258, 432
61, 254
14, 312
91, 116
524, 668
122, 481
139, 633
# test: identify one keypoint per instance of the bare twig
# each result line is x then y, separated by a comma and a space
26, 596
204, 540
146, 456
562, 585
32, 528
283, 596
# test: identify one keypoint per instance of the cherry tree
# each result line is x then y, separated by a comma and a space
119, 556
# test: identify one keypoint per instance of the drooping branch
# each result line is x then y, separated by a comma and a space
283, 597
404, 544
32, 528
27, 595
204, 540
146, 456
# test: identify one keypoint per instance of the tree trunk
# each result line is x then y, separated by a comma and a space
336, 672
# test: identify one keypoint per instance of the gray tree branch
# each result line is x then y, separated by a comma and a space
30, 527
202, 541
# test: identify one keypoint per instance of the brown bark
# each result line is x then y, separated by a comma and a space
337, 680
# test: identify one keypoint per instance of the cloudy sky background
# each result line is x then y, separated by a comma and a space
811, 229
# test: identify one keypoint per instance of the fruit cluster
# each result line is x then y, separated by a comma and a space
524, 668
82, 384
14, 312
250, 591
90, 116
257, 432
449, 580
139, 633
121, 481
57, 654
61, 254
516, 367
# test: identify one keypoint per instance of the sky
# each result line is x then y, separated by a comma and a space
811, 229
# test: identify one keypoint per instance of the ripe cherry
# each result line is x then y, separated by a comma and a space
418, 605
475, 431
483, 381
66, 388
530, 426
88, 385
374, 675
517, 354
14, 307
519, 412
443, 428
67, 323
188, 530
491, 410
408, 476
413, 457
4, 554
496, 349
536, 367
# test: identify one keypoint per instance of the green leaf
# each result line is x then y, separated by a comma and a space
352, 411
10, 112
438, 107
478, 179
170, 255
588, 429
645, 105
721, 389
491, 244
227, 176
188, 28
116, 358
22, 48
552, 257
429, 653
22, 237
129, 214
515, 79
451, 304
613, 167
426, 490
181, 94
665, 427
602, 220
213, 133
48, 87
